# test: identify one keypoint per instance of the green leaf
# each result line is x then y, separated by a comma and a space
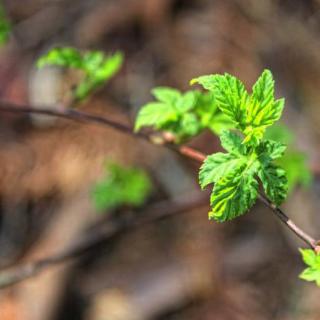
293, 161
155, 114
206, 107
234, 194
96, 66
309, 257
189, 114
190, 125
121, 186
252, 114
281, 133
230, 95
108, 68
166, 94
84, 88
263, 110
210, 116
216, 166
232, 143
311, 274
173, 113
298, 172
99, 69
5, 26
269, 150
312, 260
262, 98
186, 102
63, 57
91, 61
218, 123
274, 182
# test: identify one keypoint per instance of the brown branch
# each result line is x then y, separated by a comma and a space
313, 243
188, 152
151, 214
70, 114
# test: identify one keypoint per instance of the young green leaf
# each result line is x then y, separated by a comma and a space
233, 194
121, 186
269, 150
155, 114
110, 65
62, 57
216, 166
219, 164
95, 65
184, 115
5, 26
295, 164
281, 133
190, 125
91, 61
166, 94
173, 112
99, 69
83, 89
232, 143
219, 122
293, 161
274, 182
312, 260
186, 102
230, 95
263, 110
251, 114
209, 114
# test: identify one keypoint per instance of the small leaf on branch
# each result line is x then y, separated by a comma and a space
95, 65
312, 260
232, 143
215, 166
229, 93
166, 94
5, 26
233, 194
274, 182
252, 114
155, 114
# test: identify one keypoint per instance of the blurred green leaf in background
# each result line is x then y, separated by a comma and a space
121, 186
97, 67
5, 26
293, 160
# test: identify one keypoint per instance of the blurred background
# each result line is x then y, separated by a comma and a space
181, 266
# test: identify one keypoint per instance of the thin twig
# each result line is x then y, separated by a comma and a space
183, 150
70, 114
151, 214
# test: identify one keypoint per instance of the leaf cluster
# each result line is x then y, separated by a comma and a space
249, 158
96, 66
121, 186
250, 113
182, 114
5, 26
312, 260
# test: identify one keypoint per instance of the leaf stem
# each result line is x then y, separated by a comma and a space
188, 152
